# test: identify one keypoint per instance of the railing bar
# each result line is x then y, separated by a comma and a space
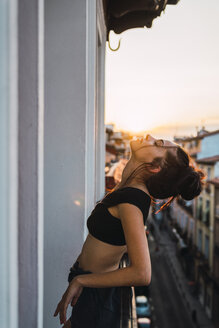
128, 307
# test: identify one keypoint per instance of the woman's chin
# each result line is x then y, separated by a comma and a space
134, 144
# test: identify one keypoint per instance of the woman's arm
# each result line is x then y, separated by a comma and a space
138, 273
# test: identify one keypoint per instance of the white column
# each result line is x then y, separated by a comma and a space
40, 164
100, 102
30, 161
8, 165
95, 132
90, 150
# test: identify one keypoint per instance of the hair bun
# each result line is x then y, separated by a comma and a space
190, 185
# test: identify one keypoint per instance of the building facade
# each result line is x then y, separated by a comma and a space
52, 149
204, 150
215, 271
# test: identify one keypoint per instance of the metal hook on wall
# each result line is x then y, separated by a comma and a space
115, 48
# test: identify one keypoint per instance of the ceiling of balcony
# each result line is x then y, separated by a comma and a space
121, 15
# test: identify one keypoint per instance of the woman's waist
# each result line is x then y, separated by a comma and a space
98, 266
98, 263
98, 256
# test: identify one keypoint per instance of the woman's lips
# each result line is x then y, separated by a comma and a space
141, 139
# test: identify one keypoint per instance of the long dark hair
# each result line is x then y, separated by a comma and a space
178, 177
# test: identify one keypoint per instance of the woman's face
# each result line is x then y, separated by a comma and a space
146, 149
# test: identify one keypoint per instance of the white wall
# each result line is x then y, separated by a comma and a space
72, 183
74, 149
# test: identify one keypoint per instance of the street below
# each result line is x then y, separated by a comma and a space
168, 309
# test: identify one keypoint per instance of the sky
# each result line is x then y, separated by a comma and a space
165, 80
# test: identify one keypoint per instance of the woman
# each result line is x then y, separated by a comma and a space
156, 169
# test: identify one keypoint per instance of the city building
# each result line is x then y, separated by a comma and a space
215, 265
204, 144
205, 217
197, 219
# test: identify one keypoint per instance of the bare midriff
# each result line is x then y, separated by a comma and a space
98, 257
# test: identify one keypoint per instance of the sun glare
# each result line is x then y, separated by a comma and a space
134, 122
133, 126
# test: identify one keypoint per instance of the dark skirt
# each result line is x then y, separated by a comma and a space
96, 307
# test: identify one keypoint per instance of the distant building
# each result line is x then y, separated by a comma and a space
115, 144
204, 144
198, 219
215, 250
205, 205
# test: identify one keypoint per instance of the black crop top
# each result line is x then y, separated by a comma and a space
104, 226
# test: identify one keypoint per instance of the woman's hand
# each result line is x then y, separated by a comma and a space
67, 324
71, 295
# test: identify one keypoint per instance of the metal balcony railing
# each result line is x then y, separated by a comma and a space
216, 249
187, 206
128, 307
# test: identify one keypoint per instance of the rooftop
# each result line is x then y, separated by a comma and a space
199, 136
215, 181
208, 160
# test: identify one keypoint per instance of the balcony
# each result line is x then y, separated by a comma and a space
203, 216
216, 250
186, 205
208, 188
206, 217
198, 255
128, 306
199, 213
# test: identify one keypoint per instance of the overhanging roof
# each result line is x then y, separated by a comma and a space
121, 15
208, 160
215, 181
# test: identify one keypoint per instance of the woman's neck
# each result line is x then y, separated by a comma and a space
125, 182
